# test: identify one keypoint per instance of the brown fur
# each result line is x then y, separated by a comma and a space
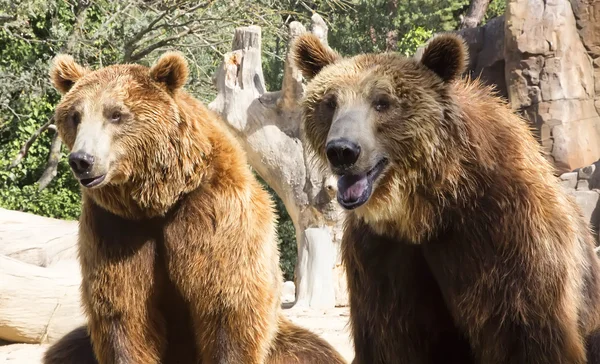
468, 250
312, 57
177, 246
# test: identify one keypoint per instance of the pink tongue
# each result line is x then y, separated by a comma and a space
351, 188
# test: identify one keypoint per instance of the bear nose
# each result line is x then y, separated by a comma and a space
342, 152
81, 162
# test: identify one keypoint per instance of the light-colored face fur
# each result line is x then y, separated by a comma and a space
363, 114
131, 143
100, 114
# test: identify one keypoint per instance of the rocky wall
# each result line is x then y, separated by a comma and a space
550, 76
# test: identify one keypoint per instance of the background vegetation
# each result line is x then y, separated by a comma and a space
100, 33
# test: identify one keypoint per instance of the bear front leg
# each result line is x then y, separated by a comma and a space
528, 343
512, 309
235, 320
119, 293
230, 282
231, 339
397, 313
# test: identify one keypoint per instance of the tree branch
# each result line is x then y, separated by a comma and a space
25, 148
161, 43
475, 13
52, 165
130, 45
80, 11
5, 18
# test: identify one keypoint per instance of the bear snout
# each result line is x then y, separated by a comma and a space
81, 162
342, 153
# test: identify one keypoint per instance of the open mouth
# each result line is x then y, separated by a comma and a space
92, 182
355, 190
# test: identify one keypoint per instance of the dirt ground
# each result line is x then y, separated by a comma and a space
332, 325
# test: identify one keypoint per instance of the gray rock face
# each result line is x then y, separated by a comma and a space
543, 56
587, 16
550, 75
486, 53
583, 184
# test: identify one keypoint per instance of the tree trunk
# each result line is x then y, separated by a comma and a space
38, 305
37, 240
268, 127
314, 272
475, 13
53, 160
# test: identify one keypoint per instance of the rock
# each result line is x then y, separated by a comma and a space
550, 78
586, 172
583, 185
474, 39
587, 14
544, 57
493, 43
587, 202
486, 53
569, 180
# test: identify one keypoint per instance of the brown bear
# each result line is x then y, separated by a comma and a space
177, 239
460, 246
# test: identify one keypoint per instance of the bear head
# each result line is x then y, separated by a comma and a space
132, 144
380, 121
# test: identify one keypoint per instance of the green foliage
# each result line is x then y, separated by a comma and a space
380, 25
413, 39
26, 101
286, 234
496, 8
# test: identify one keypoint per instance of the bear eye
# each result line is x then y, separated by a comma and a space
116, 116
331, 102
381, 104
75, 118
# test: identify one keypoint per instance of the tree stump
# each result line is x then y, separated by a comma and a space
268, 125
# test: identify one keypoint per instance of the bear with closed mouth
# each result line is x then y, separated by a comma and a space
177, 239
460, 245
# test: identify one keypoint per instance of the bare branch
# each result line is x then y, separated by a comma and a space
131, 44
102, 27
80, 11
5, 18
18, 116
475, 13
161, 43
25, 148
52, 165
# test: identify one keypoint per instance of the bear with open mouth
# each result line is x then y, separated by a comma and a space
460, 245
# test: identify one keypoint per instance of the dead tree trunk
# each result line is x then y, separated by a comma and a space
268, 126
475, 13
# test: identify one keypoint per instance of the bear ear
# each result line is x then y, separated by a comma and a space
310, 55
447, 56
170, 69
64, 72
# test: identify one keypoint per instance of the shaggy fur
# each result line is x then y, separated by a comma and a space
468, 250
177, 245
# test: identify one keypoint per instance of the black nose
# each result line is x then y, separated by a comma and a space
342, 152
81, 162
